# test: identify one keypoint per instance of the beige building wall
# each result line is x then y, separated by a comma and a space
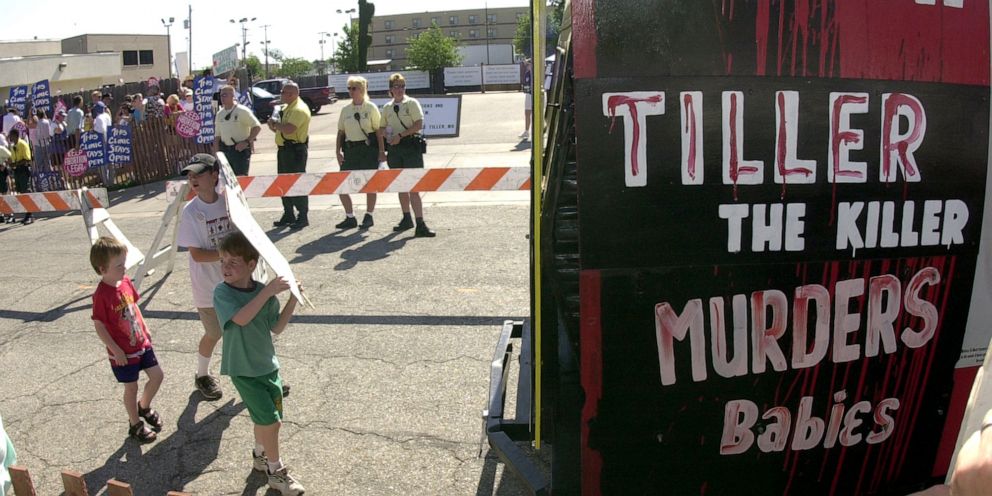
28, 48
65, 73
133, 51
390, 33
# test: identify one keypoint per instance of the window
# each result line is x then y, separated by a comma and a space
473, 19
491, 32
145, 57
416, 22
472, 33
492, 19
130, 57
454, 34
433, 20
389, 24
389, 53
389, 39
453, 20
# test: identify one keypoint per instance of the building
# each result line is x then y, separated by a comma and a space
473, 27
142, 55
83, 62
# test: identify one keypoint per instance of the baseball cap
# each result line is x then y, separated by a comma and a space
200, 163
98, 109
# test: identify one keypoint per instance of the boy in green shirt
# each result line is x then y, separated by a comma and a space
249, 314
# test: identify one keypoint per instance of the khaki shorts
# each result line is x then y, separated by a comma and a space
211, 327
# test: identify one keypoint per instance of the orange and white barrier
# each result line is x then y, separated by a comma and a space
380, 181
53, 201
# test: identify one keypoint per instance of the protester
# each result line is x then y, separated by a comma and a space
41, 140
101, 119
528, 98
248, 312
96, 97
204, 224
187, 101
8, 458
122, 330
74, 121
154, 106
20, 163
124, 114
108, 101
292, 130
235, 128
137, 108
402, 121
4, 180
9, 119
359, 146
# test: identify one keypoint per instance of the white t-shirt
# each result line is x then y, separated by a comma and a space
204, 225
8, 122
42, 134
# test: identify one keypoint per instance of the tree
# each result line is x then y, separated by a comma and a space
433, 50
293, 67
254, 66
346, 56
522, 40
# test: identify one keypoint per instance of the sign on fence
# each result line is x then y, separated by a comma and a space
462, 76
226, 60
41, 96
96, 151
76, 164
379, 81
48, 181
203, 93
500, 74
442, 114
19, 98
119, 144
188, 124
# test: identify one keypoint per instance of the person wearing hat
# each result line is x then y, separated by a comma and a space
235, 131
205, 222
101, 119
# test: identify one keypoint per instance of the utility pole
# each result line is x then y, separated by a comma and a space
266, 42
244, 36
189, 26
323, 61
168, 37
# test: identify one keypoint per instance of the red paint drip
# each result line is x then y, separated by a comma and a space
617, 100
761, 24
690, 128
591, 359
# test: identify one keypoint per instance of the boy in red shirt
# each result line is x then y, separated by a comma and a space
122, 329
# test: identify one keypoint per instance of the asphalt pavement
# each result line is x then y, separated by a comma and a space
389, 372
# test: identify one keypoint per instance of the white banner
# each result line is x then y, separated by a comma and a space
462, 76
442, 114
379, 81
502, 74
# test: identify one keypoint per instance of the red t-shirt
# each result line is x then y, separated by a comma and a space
117, 308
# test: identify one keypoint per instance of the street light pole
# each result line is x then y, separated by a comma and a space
487, 33
352, 40
244, 36
266, 42
168, 42
334, 64
323, 62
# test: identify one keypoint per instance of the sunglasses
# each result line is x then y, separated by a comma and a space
399, 86
352, 88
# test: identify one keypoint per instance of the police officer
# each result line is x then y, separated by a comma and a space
403, 120
292, 130
236, 129
359, 145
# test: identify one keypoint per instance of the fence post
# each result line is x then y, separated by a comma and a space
118, 488
20, 478
74, 483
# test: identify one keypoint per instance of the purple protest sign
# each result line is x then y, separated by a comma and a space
119, 144
41, 96
76, 163
188, 124
21, 128
93, 144
19, 98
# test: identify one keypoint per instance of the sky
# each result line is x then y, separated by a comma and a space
294, 30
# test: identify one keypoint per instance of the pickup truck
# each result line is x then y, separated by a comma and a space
315, 98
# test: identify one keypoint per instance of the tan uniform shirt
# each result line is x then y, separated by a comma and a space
356, 129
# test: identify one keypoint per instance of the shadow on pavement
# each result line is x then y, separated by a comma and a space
174, 461
371, 251
523, 145
50, 315
329, 243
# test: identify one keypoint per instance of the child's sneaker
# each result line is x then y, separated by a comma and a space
284, 483
258, 461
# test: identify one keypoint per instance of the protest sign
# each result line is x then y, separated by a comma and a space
188, 124
95, 147
18, 98
41, 96
76, 163
204, 88
119, 144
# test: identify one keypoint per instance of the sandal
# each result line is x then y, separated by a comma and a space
140, 433
151, 416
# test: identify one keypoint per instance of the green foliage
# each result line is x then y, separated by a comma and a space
294, 67
522, 40
433, 50
345, 57
254, 66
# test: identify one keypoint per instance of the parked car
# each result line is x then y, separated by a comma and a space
315, 98
262, 103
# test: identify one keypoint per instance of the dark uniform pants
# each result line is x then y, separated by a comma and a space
239, 160
292, 157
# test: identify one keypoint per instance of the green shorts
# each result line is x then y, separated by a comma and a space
405, 155
262, 395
